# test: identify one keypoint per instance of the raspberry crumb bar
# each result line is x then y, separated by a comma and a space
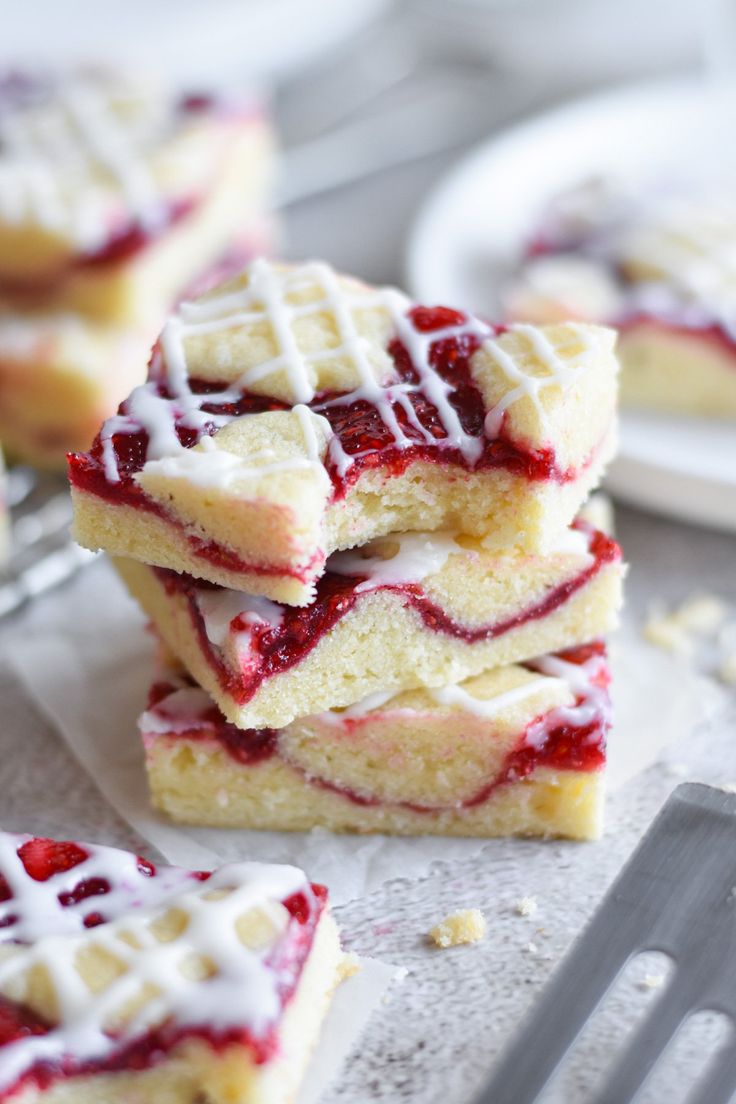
115, 194
406, 611
116, 198
293, 412
130, 984
660, 269
514, 751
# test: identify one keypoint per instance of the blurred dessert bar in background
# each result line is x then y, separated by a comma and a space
116, 197
659, 267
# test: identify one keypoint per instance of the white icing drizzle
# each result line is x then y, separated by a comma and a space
592, 700
575, 542
418, 555
455, 696
265, 298
56, 149
219, 608
488, 707
183, 710
561, 371
367, 705
242, 990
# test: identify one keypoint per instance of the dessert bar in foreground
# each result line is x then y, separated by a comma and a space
518, 750
658, 268
115, 194
124, 983
293, 412
418, 609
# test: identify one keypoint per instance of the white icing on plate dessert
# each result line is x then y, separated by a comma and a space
474, 228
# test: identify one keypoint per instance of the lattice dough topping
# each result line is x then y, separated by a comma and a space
312, 341
104, 948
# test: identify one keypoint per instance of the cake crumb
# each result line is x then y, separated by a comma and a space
465, 926
702, 614
664, 632
527, 906
531, 948
651, 981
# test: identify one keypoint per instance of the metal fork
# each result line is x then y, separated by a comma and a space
42, 554
676, 895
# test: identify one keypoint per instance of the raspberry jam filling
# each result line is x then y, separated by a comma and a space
73, 873
275, 648
366, 435
569, 738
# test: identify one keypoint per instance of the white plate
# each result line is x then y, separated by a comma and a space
188, 40
472, 228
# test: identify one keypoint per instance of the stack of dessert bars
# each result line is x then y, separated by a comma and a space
115, 197
355, 524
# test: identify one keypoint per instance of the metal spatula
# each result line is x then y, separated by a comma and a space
676, 895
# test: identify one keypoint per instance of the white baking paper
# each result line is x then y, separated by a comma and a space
87, 666
352, 1006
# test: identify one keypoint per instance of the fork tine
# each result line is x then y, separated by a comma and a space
568, 1001
650, 1040
719, 1084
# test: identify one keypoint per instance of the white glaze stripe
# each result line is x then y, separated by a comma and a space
561, 372
488, 708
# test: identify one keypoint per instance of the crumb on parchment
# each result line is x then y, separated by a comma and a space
465, 926
526, 906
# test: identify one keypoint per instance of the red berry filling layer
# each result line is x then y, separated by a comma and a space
571, 738
50, 861
274, 649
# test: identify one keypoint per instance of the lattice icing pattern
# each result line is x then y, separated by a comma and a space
292, 387
271, 299
108, 951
